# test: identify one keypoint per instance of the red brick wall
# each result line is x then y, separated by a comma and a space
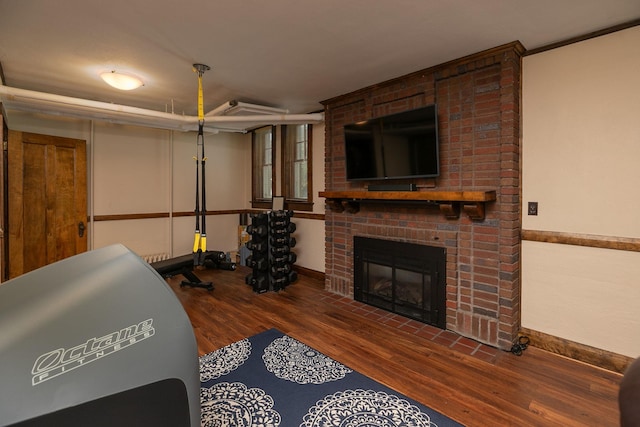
478, 100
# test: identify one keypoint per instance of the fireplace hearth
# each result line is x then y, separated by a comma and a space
400, 277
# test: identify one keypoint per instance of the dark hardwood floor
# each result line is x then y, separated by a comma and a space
471, 383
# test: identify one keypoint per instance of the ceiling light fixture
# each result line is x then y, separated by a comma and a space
122, 81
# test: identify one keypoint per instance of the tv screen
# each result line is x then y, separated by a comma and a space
403, 145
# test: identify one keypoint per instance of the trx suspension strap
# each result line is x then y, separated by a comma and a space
200, 238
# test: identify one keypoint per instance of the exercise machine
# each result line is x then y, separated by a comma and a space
200, 237
201, 257
96, 339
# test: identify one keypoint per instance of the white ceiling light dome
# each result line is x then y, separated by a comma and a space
121, 80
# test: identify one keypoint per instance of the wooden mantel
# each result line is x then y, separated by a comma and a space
450, 202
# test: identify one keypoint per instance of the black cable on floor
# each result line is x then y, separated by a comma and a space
521, 345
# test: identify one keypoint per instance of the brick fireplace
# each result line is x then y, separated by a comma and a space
478, 100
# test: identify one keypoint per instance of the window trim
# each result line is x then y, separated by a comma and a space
256, 202
287, 171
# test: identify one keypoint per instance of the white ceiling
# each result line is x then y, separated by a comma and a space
290, 54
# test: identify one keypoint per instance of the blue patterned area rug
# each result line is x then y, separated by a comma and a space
273, 380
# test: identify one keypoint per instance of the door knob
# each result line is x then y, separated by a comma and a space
81, 229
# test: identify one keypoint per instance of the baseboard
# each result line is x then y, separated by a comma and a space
584, 353
309, 272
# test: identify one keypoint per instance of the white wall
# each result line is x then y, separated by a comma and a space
135, 170
310, 232
130, 170
581, 151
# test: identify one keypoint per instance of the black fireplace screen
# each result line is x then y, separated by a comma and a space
404, 278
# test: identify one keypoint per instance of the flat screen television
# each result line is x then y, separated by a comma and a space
402, 145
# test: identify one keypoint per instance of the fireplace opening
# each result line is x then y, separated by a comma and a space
403, 278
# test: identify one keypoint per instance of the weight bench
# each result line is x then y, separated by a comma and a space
184, 265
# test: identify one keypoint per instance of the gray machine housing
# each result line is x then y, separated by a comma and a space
97, 339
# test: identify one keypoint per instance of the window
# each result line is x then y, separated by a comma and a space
263, 181
296, 167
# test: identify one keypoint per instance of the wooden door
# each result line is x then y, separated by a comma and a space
47, 200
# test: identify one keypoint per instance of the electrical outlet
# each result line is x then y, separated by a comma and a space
533, 208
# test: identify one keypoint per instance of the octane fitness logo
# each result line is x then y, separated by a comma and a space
60, 361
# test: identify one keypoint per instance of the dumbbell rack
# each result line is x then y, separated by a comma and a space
271, 257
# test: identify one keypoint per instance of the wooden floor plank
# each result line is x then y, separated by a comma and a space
482, 389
